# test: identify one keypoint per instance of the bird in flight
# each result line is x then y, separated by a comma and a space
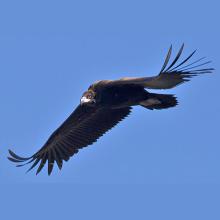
105, 104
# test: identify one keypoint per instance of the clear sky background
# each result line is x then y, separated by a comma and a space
155, 164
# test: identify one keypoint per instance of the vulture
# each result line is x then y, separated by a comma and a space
105, 104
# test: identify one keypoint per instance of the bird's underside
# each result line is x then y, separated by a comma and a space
105, 104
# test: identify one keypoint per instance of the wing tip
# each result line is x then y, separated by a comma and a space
189, 68
15, 156
22, 161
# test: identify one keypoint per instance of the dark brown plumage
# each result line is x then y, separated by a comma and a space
104, 105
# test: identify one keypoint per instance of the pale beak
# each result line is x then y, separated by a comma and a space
85, 100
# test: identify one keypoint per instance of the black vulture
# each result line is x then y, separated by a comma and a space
105, 104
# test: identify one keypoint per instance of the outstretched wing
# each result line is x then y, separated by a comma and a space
83, 127
169, 76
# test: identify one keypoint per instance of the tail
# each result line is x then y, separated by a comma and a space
159, 101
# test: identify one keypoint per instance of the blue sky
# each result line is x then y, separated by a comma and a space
155, 164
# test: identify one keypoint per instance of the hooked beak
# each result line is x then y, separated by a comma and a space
85, 100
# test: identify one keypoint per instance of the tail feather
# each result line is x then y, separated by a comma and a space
159, 101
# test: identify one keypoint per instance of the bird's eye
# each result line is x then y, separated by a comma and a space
89, 96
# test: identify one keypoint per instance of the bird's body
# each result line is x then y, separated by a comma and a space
104, 105
123, 95
118, 96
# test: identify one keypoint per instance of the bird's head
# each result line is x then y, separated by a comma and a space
88, 98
